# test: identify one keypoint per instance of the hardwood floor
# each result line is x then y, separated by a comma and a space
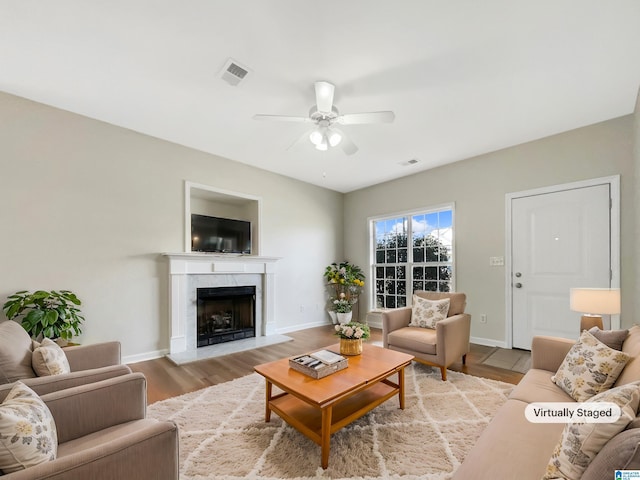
165, 379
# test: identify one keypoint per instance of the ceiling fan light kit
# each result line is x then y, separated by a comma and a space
325, 114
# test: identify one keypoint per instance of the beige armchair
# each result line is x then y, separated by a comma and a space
88, 363
103, 434
439, 347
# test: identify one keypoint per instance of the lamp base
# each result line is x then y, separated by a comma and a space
589, 321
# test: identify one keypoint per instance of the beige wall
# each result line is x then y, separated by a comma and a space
89, 207
478, 187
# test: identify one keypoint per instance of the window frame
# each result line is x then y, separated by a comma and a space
408, 214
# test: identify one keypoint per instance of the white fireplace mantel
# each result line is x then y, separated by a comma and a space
187, 271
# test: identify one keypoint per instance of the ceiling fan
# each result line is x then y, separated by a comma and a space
325, 116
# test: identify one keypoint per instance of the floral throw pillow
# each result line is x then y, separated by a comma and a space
589, 368
581, 442
426, 313
28, 434
49, 359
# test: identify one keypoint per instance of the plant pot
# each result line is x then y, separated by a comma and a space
350, 346
344, 317
334, 316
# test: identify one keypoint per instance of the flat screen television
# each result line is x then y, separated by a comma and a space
223, 235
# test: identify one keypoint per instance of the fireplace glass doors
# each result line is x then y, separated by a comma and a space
225, 314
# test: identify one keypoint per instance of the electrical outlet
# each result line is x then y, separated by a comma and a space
483, 318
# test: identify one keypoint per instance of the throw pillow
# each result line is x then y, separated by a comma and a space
15, 352
622, 452
611, 338
49, 359
581, 442
589, 368
426, 313
28, 434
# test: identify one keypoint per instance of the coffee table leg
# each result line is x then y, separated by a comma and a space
326, 435
401, 385
267, 412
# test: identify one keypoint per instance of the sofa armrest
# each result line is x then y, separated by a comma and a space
393, 320
95, 355
547, 353
89, 408
452, 336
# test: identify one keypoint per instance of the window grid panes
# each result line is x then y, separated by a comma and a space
412, 252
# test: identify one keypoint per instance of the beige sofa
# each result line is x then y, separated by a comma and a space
88, 363
511, 447
440, 347
103, 434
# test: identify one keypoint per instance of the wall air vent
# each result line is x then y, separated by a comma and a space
233, 73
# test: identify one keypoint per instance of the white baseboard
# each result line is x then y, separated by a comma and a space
488, 342
304, 326
141, 357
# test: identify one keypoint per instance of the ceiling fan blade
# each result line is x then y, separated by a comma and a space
282, 118
370, 117
324, 96
347, 145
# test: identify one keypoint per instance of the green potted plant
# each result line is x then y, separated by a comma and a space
343, 308
344, 282
51, 314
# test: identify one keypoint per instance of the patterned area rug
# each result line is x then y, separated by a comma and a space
223, 434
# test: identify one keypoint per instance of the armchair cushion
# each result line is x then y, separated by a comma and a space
426, 313
28, 434
415, 339
15, 352
49, 359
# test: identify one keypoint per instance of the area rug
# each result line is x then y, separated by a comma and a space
223, 434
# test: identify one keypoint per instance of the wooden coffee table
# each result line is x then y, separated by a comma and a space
318, 408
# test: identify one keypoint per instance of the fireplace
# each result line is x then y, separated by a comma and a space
225, 314
191, 271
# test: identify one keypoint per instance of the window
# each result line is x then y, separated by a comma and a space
412, 251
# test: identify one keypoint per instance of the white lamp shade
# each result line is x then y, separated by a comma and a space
599, 301
315, 137
334, 138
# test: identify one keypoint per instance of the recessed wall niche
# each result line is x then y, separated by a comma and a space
206, 200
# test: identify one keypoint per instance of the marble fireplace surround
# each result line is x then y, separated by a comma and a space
190, 271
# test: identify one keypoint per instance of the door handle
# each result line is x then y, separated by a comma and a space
518, 285
518, 274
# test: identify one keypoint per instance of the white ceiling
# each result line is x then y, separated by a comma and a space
463, 77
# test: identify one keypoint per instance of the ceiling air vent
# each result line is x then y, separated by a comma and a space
406, 163
233, 73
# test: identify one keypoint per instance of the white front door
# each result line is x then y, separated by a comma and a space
559, 240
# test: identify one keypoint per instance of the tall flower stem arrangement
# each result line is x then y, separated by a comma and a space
344, 285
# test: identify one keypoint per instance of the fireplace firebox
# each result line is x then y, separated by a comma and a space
225, 314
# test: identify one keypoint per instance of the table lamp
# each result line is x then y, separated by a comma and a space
593, 303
